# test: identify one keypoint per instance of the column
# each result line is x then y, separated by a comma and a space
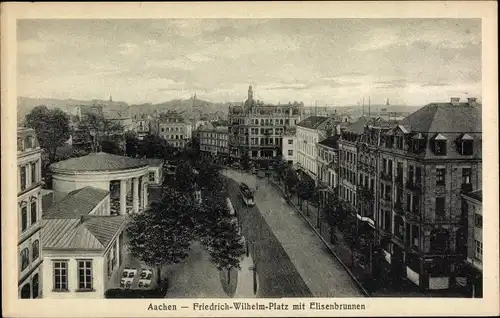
145, 195
117, 252
123, 197
135, 193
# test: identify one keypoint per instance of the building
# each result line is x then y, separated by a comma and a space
155, 171
125, 178
29, 200
472, 210
327, 163
174, 129
142, 126
309, 132
256, 128
426, 162
83, 245
214, 142
288, 151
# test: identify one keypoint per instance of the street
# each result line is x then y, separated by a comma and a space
323, 275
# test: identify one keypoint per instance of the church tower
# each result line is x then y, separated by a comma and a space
250, 92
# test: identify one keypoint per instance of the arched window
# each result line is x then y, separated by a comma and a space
34, 210
26, 291
35, 286
25, 258
35, 249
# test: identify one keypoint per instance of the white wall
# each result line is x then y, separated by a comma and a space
68, 186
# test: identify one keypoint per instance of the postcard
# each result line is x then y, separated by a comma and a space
249, 159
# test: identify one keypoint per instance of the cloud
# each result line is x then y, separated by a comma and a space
31, 47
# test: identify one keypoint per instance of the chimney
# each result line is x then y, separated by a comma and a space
455, 101
471, 101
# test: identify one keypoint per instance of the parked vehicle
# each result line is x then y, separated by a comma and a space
247, 194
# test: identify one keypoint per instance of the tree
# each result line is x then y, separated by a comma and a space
111, 146
131, 144
245, 160
329, 213
100, 129
51, 127
163, 234
185, 178
305, 190
291, 180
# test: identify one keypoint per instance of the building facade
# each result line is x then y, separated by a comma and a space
175, 130
472, 209
426, 162
288, 151
214, 142
310, 131
83, 245
257, 128
29, 199
327, 162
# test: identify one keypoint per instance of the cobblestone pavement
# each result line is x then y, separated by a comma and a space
321, 272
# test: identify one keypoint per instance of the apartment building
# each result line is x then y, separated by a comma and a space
327, 162
29, 199
426, 162
310, 131
257, 128
472, 210
288, 151
214, 141
174, 129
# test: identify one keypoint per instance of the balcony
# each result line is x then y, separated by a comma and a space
398, 208
412, 217
466, 187
399, 179
413, 186
386, 177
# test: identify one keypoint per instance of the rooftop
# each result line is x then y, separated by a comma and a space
84, 233
100, 161
445, 117
331, 142
76, 204
154, 162
313, 122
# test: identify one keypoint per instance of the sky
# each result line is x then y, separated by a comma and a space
330, 62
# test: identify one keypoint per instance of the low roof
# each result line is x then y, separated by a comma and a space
100, 161
86, 233
313, 122
476, 195
331, 142
76, 204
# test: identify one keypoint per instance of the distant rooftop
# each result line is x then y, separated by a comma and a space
313, 122
331, 142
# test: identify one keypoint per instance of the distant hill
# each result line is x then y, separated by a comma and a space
185, 107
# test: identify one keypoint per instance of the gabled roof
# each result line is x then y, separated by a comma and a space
445, 117
86, 233
313, 122
76, 204
206, 127
100, 161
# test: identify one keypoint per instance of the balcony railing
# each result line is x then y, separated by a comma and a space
466, 187
386, 177
414, 186
412, 216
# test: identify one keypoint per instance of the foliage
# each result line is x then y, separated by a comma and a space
245, 160
131, 144
51, 127
101, 128
225, 244
305, 188
153, 146
185, 178
291, 180
111, 146
210, 179
163, 234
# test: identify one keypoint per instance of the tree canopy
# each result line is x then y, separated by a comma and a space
51, 127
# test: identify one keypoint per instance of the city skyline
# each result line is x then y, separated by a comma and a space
332, 61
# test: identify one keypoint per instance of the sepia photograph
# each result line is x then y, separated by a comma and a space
244, 159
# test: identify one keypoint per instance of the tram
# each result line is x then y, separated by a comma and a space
247, 194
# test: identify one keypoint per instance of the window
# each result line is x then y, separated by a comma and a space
479, 249
440, 176
440, 147
34, 211
290, 152
467, 147
25, 258
23, 178
33, 173
151, 177
85, 274
24, 216
35, 250
466, 175
60, 275
478, 220
440, 206
290, 141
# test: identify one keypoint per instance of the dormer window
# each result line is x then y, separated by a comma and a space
440, 145
466, 145
417, 142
